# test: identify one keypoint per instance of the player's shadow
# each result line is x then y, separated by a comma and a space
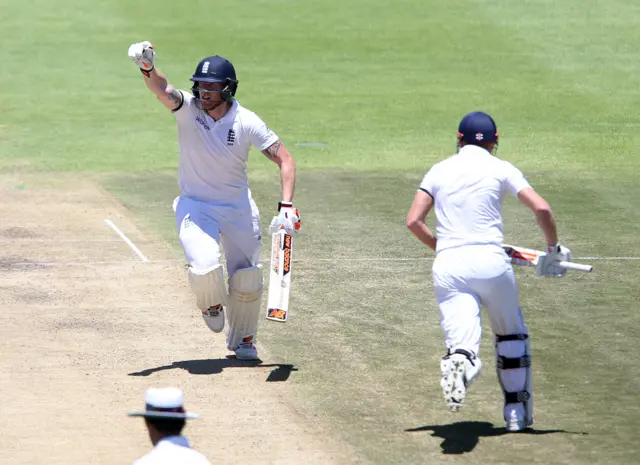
280, 372
464, 436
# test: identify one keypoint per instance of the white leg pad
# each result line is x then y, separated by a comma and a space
245, 300
211, 296
513, 362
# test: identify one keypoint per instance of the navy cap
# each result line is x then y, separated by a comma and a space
477, 127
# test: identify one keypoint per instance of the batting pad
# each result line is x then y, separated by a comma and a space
513, 363
245, 298
209, 288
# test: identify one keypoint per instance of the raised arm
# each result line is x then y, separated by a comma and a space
143, 54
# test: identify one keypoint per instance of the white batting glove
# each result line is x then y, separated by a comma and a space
548, 263
288, 218
142, 55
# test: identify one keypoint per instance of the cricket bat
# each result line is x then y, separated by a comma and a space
279, 276
529, 257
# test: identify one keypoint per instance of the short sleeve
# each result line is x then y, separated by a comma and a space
428, 183
514, 179
186, 107
260, 136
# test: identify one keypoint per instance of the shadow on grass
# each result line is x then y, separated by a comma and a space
463, 436
280, 372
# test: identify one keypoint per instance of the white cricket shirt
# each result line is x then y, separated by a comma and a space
214, 154
171, 451
468, 189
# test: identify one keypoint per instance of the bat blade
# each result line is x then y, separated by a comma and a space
522, 256
279, 277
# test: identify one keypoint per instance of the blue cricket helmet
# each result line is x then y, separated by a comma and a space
477, 127
216, 69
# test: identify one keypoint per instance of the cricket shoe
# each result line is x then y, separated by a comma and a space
459, 370
246, 351
214, 318
515, 418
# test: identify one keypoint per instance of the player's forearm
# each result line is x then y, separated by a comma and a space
542, 212
157, 82
423, 233
288, 179
547, 223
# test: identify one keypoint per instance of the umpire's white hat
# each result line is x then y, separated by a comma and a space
164, 403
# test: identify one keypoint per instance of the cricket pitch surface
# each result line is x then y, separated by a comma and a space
87, 325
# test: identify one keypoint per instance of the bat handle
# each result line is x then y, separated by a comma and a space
575, 266
522, 262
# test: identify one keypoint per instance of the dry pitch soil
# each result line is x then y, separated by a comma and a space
86, 327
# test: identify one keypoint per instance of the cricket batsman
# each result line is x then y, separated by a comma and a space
472, 270
215, 208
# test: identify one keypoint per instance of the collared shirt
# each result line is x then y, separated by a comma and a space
172, 450
214, 154
468, 189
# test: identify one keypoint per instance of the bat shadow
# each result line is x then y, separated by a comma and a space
280, 372
463, 436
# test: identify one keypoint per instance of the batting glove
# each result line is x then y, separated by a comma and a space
142, 55
548, 263
288, 218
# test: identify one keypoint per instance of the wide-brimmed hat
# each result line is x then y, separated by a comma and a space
164, 403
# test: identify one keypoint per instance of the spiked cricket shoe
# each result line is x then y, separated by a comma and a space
246, 351
214, 318
458, 372
516, 419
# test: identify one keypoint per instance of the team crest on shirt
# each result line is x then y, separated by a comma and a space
231, 137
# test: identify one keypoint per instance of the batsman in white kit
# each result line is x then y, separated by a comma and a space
471, 269
215, 209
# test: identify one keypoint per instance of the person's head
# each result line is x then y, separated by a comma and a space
164, 413
160, 428
214, 82
478, 128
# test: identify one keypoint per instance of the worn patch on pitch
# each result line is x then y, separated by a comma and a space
17, 232
13, 262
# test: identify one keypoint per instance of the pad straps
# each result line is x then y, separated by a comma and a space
512, 363
516, 397
470, 356
511, 337
507, 363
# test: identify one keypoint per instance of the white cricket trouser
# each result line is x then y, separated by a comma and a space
204, 226
468, 277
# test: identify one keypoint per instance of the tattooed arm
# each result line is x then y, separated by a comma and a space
281, 157
157, 83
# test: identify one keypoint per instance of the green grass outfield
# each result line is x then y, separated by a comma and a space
384, 85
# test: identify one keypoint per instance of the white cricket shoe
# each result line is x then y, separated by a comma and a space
458, 372
246, 351
214, 318
515, 418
